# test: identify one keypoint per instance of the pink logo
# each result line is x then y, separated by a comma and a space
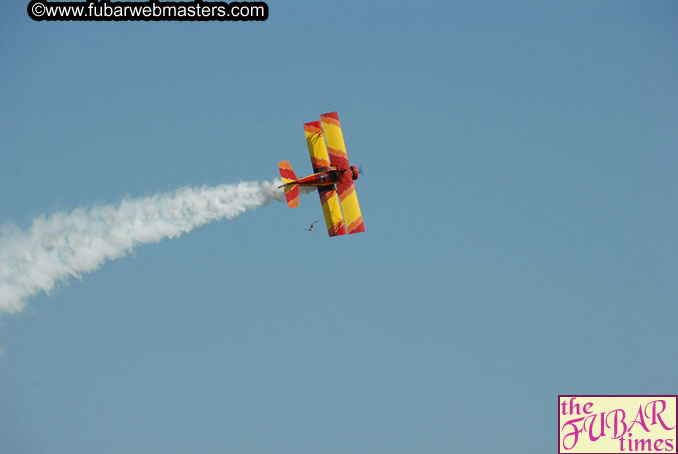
617, 424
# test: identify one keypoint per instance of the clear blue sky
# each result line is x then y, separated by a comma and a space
519, 199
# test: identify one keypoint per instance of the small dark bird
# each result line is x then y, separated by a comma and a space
311, 227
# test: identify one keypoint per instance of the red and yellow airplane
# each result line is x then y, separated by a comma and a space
333, 176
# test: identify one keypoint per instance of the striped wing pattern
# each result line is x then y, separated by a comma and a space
316, 146
332, 211
335, 140
320, 161
338, 157
351, 208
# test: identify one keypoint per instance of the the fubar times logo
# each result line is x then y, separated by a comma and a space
617, 424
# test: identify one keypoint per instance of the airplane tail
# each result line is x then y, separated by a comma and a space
291, 188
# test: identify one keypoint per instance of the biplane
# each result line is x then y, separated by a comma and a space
332, 175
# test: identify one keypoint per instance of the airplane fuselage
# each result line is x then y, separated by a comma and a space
325, 177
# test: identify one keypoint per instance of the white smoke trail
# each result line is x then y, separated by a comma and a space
69, 244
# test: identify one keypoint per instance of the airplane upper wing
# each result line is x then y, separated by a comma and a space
328, 195
338, 157
351, 208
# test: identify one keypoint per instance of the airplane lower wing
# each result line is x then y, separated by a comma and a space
315, 141
332, 211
